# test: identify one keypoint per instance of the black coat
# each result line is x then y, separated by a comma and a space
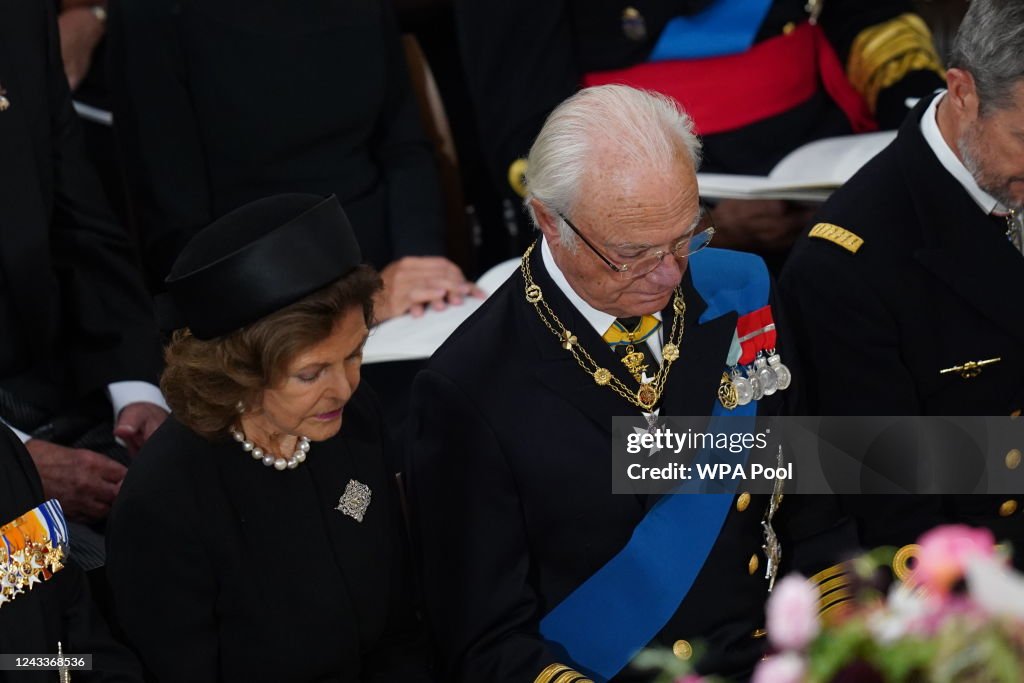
510, 488
73, 308
219, 102
934, 285
225, 570
58, 609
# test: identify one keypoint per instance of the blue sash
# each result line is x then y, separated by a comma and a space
616, 612
727, 27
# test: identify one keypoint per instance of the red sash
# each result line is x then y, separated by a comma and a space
772, 77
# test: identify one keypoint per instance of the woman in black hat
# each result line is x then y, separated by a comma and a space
257, 536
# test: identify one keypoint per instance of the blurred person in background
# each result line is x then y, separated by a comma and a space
759, 77
220, 102
79, 353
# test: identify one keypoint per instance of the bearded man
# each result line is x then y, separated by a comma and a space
909, 285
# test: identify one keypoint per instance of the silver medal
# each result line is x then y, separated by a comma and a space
782, 373
755, 383
744, 392
767, 376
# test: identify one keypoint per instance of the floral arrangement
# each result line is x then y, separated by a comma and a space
957, 617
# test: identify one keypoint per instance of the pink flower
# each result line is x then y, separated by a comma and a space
792, 613
787, 667
944, 554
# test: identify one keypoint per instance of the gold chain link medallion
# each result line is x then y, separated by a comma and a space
647, 395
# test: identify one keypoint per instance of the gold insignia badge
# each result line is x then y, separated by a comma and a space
727, 394
840, 236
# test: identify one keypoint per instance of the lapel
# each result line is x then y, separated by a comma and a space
24, 216
692, 385
963, 247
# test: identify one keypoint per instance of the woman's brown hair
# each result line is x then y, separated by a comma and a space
205, 381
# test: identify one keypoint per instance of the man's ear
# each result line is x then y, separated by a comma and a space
547, 221
962, 94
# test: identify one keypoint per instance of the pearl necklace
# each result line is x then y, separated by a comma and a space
279, 464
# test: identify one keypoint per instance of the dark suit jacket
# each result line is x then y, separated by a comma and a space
59, 609
73, 309
219, 102
510, 488
225, 570
934, 285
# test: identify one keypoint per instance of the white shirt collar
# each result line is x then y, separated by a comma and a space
951, 162
600, 320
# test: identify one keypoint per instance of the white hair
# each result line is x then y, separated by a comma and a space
648, 129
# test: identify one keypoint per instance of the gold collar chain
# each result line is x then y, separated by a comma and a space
648, 394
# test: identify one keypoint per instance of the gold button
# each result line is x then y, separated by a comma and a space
1008, 508
788, 28
517, 176
759, 633
753, 564
743, 502
633, 25
682, 649
1013, 459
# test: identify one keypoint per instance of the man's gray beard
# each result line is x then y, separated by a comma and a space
972, 165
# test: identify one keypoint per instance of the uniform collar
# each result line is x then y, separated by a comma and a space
951, 162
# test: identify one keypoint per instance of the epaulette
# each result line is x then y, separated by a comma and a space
840, 236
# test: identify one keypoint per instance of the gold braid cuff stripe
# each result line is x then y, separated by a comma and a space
560, 673
881, 55
645, 396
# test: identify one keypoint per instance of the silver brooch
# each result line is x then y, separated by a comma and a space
355, 500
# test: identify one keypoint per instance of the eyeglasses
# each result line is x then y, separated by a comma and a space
684, 248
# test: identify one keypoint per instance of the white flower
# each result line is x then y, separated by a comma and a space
996, 588
904, 608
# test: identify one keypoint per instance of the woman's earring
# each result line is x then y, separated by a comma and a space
240, 407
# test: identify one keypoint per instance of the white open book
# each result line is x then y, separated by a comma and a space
809, 173
408, 338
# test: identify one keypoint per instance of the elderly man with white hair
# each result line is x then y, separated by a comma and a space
532, 570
